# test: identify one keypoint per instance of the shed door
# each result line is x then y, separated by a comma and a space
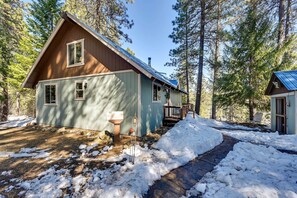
281, 115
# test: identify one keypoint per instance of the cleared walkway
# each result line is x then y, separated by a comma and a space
178, 181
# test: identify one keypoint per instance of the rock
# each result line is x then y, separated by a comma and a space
61, 130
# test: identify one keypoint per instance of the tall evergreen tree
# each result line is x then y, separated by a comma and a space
44, 15
108, 17
10, 28
184, 56
249, 59
23, 59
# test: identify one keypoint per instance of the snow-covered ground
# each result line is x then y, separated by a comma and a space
251, 171
182, 143
285, 142
246, 134
16, 121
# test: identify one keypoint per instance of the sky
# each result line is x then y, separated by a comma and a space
152, 26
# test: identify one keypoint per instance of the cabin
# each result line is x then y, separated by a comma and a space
282, 89
81, 77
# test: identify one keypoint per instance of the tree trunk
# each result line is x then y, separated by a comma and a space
251, 109
201, 52
216, 63
187, 62
281, 23
18, 103
5, 100
288, 22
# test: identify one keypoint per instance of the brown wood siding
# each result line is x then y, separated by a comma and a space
98, 58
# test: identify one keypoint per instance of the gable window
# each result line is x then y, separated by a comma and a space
156, 93
50, 94
80, 88
75, 55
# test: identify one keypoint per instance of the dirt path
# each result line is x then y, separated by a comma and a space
178, 181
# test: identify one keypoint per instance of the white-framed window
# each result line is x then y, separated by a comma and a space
80, 87
75, 53
50, 94
156, 92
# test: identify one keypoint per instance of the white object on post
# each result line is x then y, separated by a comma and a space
116, 118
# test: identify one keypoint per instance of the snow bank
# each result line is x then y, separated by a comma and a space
181, 144
286, 142
223, 125
251, 171
16, 121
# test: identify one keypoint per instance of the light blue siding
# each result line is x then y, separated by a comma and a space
291, 114
104, 94
151, 112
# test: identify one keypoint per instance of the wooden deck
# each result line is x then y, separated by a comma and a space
173, 114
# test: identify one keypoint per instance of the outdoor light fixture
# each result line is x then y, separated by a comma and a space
276, 84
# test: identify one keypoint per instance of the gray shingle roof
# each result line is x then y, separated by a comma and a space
288, 79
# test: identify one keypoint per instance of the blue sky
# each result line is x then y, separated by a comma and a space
152, 26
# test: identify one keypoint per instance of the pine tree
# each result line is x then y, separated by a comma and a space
107, 17
23, 59
184, 56
44, 15
10, 28
249, 60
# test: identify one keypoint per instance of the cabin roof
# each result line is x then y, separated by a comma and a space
143, 67
287, 79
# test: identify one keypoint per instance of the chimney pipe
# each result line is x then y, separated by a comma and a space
149, 61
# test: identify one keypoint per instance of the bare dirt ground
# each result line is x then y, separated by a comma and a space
62, 144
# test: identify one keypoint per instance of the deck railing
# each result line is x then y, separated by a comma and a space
175, 113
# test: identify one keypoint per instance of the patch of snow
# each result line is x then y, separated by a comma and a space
5, 154
286, 142
78, 182
6, 173
251, 171
49, 183
17, 121
27, 152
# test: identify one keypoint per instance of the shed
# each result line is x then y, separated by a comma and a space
282, 89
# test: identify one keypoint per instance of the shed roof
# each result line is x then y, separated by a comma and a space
136, 62
288, 78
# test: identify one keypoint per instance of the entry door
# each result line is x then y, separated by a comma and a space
281, 115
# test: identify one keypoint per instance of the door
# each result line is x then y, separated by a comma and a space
281, 115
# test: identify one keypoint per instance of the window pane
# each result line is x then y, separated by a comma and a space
79, 94
71, 54
79, 85
53, 94
78, 53
47, 94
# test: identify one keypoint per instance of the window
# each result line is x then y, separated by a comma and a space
50, 94
80, 90
75, 55
156, 93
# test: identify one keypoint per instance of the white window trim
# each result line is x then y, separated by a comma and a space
83, 53
84, 90
156, 101
50, 104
